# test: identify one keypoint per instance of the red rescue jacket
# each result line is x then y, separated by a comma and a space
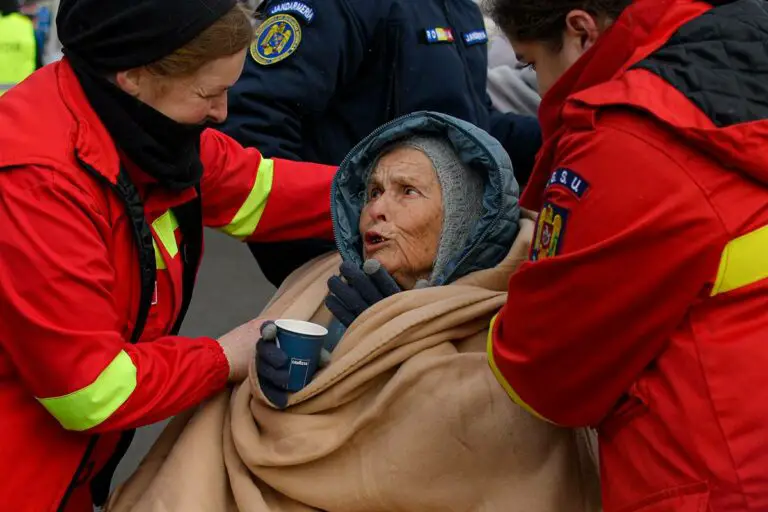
70, 284
644, 309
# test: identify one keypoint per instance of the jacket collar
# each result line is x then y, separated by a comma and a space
641, 29
93, 144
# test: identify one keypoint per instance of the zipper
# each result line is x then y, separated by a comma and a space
379, 131
78, 473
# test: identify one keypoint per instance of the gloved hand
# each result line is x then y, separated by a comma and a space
272, 366
359, 290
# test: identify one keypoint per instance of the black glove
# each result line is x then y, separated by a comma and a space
360, 289
272, 366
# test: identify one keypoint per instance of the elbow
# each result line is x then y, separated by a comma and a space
90, 408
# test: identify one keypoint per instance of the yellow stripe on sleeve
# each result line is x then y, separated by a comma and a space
507, 387
247, 218
94, 404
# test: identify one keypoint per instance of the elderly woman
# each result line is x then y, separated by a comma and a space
410, 205
406, 416
104, 158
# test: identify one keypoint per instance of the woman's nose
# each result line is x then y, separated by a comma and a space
218, 112
379, 208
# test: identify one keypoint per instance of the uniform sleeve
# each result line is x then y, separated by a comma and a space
624, 245
521, 137
269, 102
60, 329
257, 199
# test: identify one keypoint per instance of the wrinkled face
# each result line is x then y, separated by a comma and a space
402, 219
195, 99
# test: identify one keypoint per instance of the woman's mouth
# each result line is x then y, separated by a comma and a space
374, 241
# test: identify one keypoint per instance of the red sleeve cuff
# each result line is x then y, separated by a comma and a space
220, 370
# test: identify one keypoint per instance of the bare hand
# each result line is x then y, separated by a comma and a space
239, 347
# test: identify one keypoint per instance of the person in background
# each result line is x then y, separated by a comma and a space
642, 311
511, 86
52, 51
18, 46
320, 77
108, 174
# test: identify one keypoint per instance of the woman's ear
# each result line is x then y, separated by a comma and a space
583, 26
130, 81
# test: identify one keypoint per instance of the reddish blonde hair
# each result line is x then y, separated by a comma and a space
228, 35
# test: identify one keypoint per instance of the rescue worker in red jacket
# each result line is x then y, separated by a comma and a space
642, 311
107, 176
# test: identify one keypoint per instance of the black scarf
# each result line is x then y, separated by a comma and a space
166, 150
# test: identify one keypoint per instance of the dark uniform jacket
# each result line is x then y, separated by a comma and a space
323, 75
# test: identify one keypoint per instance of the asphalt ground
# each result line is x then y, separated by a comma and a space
230, 291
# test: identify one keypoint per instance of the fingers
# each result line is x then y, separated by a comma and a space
268, 352
339, 310
269, 331
381, 278
278, 378
348, 295
278, 397
371, 266
361, 282
358, 290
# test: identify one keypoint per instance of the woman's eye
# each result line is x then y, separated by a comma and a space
410, 191
374, 193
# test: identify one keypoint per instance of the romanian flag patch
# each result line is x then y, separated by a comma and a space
438, 35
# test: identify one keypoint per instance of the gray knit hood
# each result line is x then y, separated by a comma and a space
486, 235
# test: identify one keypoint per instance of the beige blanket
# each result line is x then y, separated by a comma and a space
407, 417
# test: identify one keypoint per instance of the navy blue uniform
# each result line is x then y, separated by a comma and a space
358, 64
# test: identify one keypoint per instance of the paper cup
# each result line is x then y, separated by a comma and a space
302, 342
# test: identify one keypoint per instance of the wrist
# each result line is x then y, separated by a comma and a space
221, 366
228, 357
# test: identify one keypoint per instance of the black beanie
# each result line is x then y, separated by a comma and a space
9, 6
116, 35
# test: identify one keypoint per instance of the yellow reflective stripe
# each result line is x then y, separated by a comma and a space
507, 387
247, 219
744, 261
165, 227
159, 261
93, 404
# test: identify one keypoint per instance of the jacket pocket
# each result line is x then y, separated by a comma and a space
687, 498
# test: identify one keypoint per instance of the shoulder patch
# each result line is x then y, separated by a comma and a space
550, 229
276, 39
570, 180
438, 35
479, 36
299, 9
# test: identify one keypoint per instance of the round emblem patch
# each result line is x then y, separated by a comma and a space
276, 39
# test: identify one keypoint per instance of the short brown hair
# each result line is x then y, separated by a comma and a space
228, 35
544, 20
